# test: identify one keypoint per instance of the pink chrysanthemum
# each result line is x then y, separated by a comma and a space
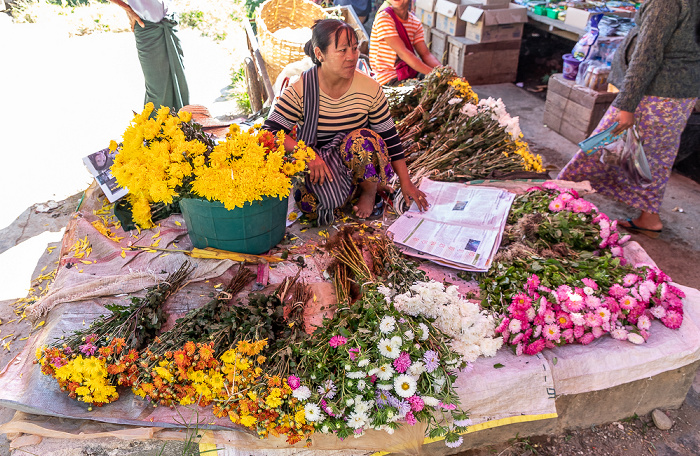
586, 339
593, 302
658, 312
549, 317
337, 341
532, 283
563, 292
353, 352
535, 347
603, 313
580, 206
564, 320
566, 197
673, 319
643, 322
593, 319
577, 319
416, 403
557, 205
551, 186
293, 382
612, 304
575, 302
402, 363
521, 301
503, 325
624, 239
597, 331
579, 331
617, 252
630, 279
551, 332
628, 302
590, 283
617, 291
619, 334
410, 419
568, 335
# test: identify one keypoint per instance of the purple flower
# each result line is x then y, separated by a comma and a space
431, 360
293, 382
456, 443
88, 349
337, 341
328, 389
383, 398
402, 363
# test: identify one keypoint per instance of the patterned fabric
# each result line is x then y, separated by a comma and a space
660, 122
382, 57
160, 55
361, 155
364, 105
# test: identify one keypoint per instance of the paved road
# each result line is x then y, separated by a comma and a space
63, 98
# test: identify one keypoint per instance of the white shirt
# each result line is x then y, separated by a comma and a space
150, 10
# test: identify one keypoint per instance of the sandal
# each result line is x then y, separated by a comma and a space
638, 229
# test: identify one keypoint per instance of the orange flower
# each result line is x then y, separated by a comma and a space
147, 387
190, 348
274, 382
132, 356
106, 351
115, 369
205, 352
181, 359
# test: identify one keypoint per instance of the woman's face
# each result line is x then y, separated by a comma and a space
341, 57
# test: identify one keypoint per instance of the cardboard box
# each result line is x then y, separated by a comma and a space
492, 3
427, 34
426, 5
438, 45
488, 25
448, 17
572, 110
429, 18
484, 63
577, 17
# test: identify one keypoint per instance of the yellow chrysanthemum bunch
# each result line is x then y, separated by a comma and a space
464, 90
88, 379
245, 168
159, 163
532, 162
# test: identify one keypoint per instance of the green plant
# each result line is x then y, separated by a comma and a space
239, 88
191, 19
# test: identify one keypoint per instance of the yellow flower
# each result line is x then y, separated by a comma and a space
113, 145
248, 420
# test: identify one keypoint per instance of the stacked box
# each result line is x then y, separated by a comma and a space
448, 17
484, 63
425, 11
438, 45
572, 110
427, 34
488, 24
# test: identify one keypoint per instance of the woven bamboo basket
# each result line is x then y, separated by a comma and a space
277, 14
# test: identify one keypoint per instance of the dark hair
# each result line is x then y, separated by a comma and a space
322, 33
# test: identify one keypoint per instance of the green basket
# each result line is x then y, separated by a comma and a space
254, 228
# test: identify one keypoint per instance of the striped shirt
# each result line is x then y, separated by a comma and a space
364, 105
381, 56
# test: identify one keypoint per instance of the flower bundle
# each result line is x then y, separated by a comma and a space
90, 363
375, 367
564, 281
165, 158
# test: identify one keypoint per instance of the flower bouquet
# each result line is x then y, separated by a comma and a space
165, 158
560, 278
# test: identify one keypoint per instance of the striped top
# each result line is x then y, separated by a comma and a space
381, 56
364, 105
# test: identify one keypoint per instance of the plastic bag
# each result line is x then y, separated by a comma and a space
582, 49
628, 155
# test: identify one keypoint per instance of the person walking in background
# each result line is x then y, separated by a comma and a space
657, 70
159, 52
344, 116
397, 48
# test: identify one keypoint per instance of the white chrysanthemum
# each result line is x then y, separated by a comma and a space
430, 401
361, 385
388, 429
385, 386
515, 326
385, 372
462, 423
363, 362
424, 331
312, 412
416, 369
348, 367
588, 291
357, 374
325, 429
469, 110
349, 402
577, 319
357, 420
302, 393
387, 324
409, 335
405, 385
453, 101
388, 349
362, 406
658, 312
531, 313
635, 338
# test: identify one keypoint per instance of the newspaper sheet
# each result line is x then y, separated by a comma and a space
461, 229
99, 164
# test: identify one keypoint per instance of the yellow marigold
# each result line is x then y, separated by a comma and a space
229, 356
248, 421
300, 417
273, 401
113, 145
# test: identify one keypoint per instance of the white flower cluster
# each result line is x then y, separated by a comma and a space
498, 112
472, 331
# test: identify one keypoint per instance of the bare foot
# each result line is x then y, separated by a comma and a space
365, 205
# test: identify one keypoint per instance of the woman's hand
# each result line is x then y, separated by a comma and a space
318, 171
411, 193
625, 120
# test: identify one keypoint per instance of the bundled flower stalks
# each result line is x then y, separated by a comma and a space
92, 362
560, 278
372, 367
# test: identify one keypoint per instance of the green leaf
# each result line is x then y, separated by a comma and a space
498, 366
554, 361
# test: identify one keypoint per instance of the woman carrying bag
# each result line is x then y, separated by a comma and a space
657, 70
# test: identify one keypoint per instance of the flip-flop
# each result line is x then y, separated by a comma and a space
638, 229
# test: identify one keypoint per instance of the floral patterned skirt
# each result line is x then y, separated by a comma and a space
359, 156
660, 122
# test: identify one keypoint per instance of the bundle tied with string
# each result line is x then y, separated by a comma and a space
274, 15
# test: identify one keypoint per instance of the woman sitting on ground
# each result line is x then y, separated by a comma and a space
343, 114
